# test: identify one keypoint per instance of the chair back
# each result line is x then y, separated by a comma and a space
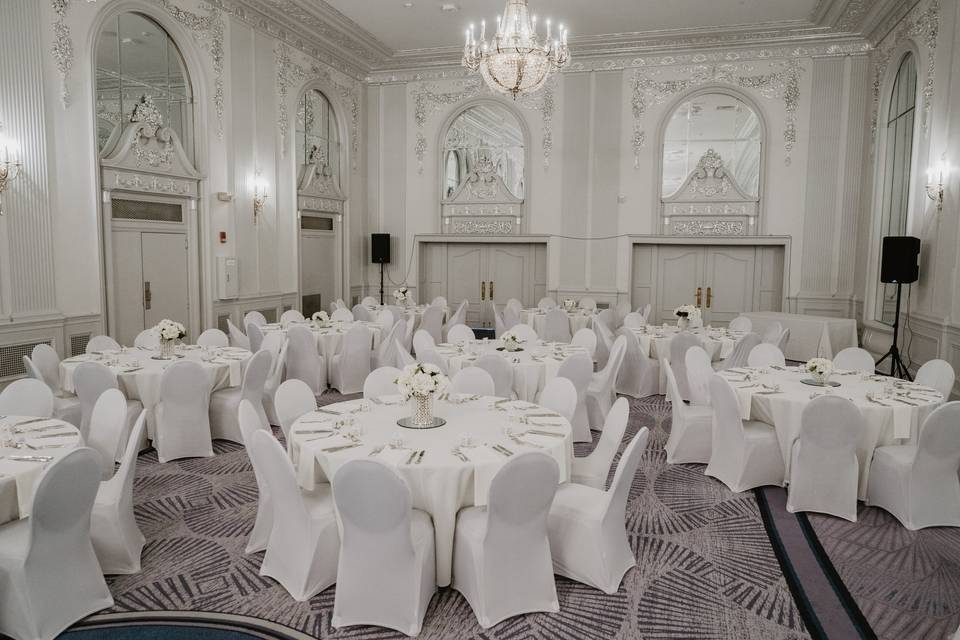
619, 491
213, 338
422, 342
107, 424
237, 337
587, 303
386, 320
249, 423
26, 397
460, 315
439, 301
854, 359
147, 339
361, 313
342, 314
604, 342
677, 407
607, 376
275, 344
381, 382
699, 373
938, 445
255, 317
741, 351
184, 397
516, 305
937, 374
546, 304
622, 310
291, 522
498, 326
635, 377
291, 315
609, 319
255, 379
47, 362
119, 487
511, 318
473, 380
559, 395
388, 343
431, 322
645, 311
525, 332
403, 356
255, 336
578, 369
727, 423
829, 428
294, 399
397, 312
519, 500
783, 340
98, 344
741, 323
460, 333
634, 320
91, 379
678, 354
766, 355
303, 361
556, 326
587, 339
500, 370
772, 333
369, 301
614, 426
33, 372
430, 356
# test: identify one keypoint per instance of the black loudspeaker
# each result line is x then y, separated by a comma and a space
900, 259
380, 248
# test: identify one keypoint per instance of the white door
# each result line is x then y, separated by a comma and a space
729, 283
466, 279
128, 285
319, 258
509, 275
680, 275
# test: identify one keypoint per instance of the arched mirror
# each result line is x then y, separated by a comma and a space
317, 133
896, 172
484, 132
717, 121
136, 57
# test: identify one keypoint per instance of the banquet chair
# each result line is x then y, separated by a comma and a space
699, 374
602, 390
525, 332
291, 315
823, 470
556, 326
249, 425
499, 325
26, 397
772, 333
338, 304
403, 356
237, 337
224, 404
369, 301
147, 339
386, 320
213, 338
342, 314
559, 395
361, 313
609, 319
108, 425
587, 339
48, 569
744, 453
430, 356
622, 311
294, 399
511, 318
431, 321
473, 380
275, 344
854, 359
351, 366
44, 365
588, 539
460, 333
303, 361
423, 342
407, 341
741, 353
439, 301
386, 573
398, 313
766, 355
182, 420
117, 540
99, 344
639, 375
604, 343
783, 340
304, 542
90, 380
515, 305
545, 304
458, 318
691, 426
587, 303
501, 553
937, 374
255, 336
592, 470
381, 382
634, 320
578, 369
383, 355
501, 371
917, 484
645, 311
678, 359
255, 317
741, 323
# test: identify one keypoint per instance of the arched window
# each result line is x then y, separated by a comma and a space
484, 131
896, 170
317, 127
137, 57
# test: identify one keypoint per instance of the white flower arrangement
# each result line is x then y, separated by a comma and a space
320, 317
688, 311
421, 380
569, 304
511, 341
168, 330
401, 295
820, 368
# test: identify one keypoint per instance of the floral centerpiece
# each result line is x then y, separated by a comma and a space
511, 341
169, 332
401, 295
321, 318
569, 304
420, 382
687, 313
820, 369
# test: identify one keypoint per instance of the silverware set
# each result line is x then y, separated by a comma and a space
502, 450
416, 456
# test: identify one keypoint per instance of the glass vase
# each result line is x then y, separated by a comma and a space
422, 411
166, 349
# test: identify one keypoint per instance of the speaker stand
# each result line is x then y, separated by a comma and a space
381, 284
897, 368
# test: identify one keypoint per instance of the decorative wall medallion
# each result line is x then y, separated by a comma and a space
153, 143
152, 184
62, 48
707, 228
486, 227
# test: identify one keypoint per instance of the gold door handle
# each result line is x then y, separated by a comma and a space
709, 296
491, 289
147, 296
483, 290
699, 296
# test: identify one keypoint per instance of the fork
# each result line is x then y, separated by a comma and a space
376, 450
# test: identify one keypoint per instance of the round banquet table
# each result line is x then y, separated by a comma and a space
441, 482
533, 367
579, 319
778, 397
655, 340
139, 371
330, 337
41, 441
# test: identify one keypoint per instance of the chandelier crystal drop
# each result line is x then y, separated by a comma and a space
516, 61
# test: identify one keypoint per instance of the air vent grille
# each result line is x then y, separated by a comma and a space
311, 304
222, 323
11, 358
314, 223
270, 314
78, 344
149, 211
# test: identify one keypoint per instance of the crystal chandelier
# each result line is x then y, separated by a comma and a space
515, 61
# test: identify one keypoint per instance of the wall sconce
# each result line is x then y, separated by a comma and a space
9, 165
935, 179
259, 188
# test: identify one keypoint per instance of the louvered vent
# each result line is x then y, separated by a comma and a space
149, 211
222, 323
269, 314
78, 344
11, 358
311, 304
311, 223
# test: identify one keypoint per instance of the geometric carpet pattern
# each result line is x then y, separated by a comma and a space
705, 566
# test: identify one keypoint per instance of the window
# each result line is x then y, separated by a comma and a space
317, 127
896, 171
490, 132
136, 57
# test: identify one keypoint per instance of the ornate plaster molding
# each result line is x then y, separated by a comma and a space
153, 184
483, 227
708, 228
62, 48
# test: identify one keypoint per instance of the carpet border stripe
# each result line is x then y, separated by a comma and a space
267, 629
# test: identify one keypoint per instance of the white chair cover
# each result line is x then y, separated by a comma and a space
592, 470
237, 337
639, 375
352, 365
546, 304
386, 320
381, 382
108, 423
102, 343
602, 390
294, 399
303, 361
588, 539
578, 369
304, 542
498, 321
430, 356
291, 315
47, 361
249, 425
403, 356
741, 323
361, 313
744, 454
338, 304
182, 426
783, 340
604, 343
772, 333
431, 322
48, 569
407, 341
501, 371
634, 320
854, 359
439, 301
385, 355
213, 338
386, 573
691, 427
823, 469
65, 407
937, 374
587, 303
255, 336
473, 380
147, 339
699, 374
460, 333
765, 355
225, 403
587, 339
26, 397
369, 301
556, 326
275, 344
255, 317
398, 312
525, 332
741, 352
609, 319
458, 318
515, 305
918, 485
559, 395
501, 554
423, 342
90, 380
678, 354
645, 311
342, 314
511, 318
117, 540
622, 311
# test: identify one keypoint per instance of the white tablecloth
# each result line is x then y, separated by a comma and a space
538, 319
810, 336
330, 338
655, 341
441, 483
887, 423
18, 478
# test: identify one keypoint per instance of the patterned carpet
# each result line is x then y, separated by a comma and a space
706, 568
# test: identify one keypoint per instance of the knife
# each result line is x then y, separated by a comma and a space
340, 448
64, 434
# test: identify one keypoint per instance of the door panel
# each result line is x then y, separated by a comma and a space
128, 285
165, 268
466, 270
680, 273
730, 279
318, 270
511, 272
